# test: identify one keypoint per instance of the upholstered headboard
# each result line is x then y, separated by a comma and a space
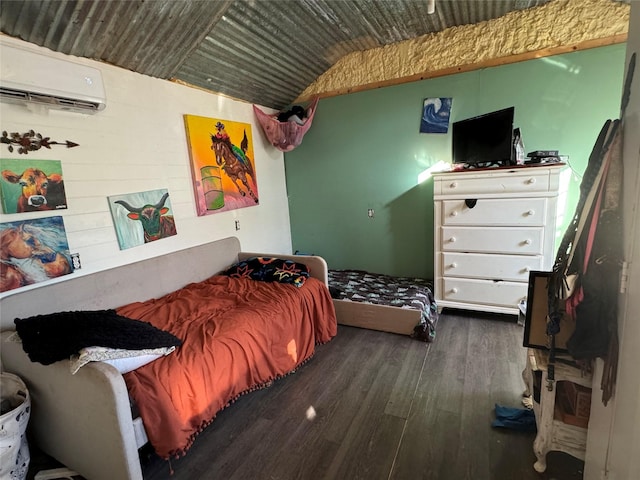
118, 286
139, 281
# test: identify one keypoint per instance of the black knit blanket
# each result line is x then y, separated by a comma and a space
49, 338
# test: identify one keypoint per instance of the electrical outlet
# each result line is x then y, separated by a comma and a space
75, 261
237, 225
370, 213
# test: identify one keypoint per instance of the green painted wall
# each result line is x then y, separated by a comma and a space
364, 151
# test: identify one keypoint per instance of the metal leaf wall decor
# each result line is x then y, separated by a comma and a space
30, 141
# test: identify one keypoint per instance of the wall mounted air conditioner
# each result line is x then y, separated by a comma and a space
28, 77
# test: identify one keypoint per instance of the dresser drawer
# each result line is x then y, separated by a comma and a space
486, 292
514, 268
494, 211
516, 240
514, 182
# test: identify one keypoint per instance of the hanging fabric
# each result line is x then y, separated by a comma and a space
285, 136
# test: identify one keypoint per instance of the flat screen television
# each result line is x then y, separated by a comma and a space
485, 140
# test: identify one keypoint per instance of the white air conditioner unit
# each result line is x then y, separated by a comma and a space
30, 77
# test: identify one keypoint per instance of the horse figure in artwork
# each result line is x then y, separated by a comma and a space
24, 259
233, 160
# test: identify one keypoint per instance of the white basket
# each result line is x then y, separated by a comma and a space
14, 449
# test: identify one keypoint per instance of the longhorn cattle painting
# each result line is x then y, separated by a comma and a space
142, 217
222, 164
32, 185
33, 251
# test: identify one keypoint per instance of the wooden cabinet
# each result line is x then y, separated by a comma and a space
492, 227
561, 428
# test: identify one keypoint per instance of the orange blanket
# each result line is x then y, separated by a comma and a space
237, 335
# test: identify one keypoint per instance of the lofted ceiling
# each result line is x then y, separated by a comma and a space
260, 51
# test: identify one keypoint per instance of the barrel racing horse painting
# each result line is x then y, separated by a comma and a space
222, 164
142, 217
233, 160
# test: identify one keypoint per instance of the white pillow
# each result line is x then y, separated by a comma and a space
124, 360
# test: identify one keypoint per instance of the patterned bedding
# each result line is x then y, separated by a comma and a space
401, 292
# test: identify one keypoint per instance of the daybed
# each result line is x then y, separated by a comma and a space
387, 303
85, 421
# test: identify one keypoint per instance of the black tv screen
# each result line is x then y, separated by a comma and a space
485, 140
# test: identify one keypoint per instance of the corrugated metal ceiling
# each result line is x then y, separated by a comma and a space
260, 51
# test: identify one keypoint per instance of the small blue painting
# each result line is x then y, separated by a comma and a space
435, 115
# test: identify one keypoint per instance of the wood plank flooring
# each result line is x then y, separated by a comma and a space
373, 405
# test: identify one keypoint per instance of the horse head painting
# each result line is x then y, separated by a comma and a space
233, 160
32, 251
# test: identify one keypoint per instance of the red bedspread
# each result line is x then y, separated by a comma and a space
238, 334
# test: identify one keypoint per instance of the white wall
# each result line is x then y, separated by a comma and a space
138, 143
613, 444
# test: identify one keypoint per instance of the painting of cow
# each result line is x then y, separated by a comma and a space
38, 187
142, 217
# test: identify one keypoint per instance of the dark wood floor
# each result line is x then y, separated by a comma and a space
372, 405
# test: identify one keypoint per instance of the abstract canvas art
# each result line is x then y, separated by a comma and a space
31, 185
222, 164
142, 217
33, 251
435, 115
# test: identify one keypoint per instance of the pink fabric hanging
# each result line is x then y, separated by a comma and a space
285, 136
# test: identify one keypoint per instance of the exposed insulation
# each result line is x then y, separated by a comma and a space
554, 24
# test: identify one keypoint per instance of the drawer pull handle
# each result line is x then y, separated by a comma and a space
453, 184
531, 181
452, 239
527, 242
454, 213
454, 265
531, 212
454, 290
526, 270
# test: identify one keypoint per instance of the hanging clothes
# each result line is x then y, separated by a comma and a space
586, 274
285, 136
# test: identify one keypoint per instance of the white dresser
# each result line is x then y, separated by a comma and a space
491, 228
